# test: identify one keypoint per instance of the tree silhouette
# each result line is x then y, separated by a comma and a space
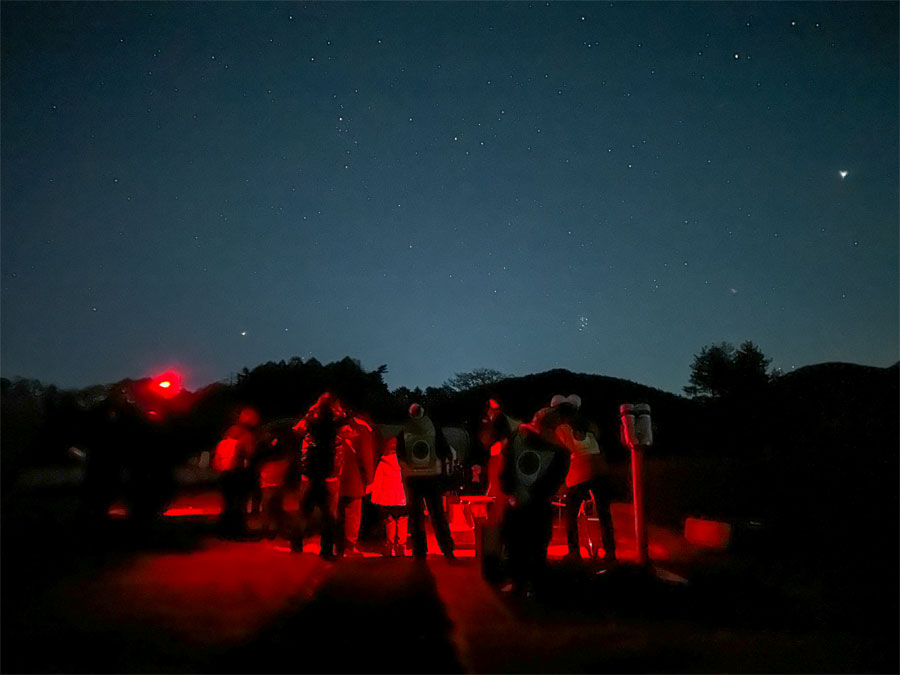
732, 385
720, 371
474, 378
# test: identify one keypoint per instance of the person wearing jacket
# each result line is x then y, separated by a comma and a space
421, 453
324, 437
276, 464
534, 468
588, 478
494, 431
388, 495
356, 475
232, 458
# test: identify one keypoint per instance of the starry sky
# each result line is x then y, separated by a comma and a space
446, 186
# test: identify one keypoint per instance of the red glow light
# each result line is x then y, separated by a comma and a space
167, 384
707, 533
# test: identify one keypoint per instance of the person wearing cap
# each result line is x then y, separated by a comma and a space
421, 453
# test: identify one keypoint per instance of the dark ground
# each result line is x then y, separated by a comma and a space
179, 599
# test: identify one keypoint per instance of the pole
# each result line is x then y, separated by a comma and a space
640, 522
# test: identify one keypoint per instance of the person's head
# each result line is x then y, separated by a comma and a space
493, 409
325, 399
566, 406
416, 411
248, 418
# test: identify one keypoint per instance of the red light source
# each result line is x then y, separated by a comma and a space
167, 384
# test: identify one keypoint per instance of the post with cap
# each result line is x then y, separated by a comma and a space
636, 433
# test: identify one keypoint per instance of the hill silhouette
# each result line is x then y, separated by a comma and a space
836, 437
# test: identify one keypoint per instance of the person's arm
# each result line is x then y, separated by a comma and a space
367, 457
565, 436
507, 474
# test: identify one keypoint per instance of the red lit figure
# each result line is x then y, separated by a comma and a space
232, 458
356, 475
494, 432
588, 478
324, 434
389, 496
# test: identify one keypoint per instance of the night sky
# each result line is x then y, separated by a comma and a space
441, 187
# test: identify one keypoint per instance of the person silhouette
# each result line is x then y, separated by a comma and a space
421, 453
324, 434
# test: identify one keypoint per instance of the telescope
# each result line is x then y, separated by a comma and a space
636, 432
637, 429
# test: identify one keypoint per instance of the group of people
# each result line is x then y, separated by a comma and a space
327, 459
528, 465
334, 457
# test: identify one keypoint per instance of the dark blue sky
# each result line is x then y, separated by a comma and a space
446, 186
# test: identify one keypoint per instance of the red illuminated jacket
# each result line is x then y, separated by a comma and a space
235, 450
387, 488
359, 459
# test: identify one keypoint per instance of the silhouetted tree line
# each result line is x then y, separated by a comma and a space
736, 404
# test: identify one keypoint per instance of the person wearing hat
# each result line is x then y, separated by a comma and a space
421, 453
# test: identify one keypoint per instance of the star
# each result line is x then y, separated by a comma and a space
843, 174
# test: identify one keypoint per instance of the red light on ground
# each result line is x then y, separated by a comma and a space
165, 384
707, 533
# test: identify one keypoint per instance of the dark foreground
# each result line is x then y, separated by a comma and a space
179, 599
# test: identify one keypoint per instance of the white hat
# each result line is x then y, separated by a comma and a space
574, 400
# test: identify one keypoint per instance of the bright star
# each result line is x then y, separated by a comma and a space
843, 174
